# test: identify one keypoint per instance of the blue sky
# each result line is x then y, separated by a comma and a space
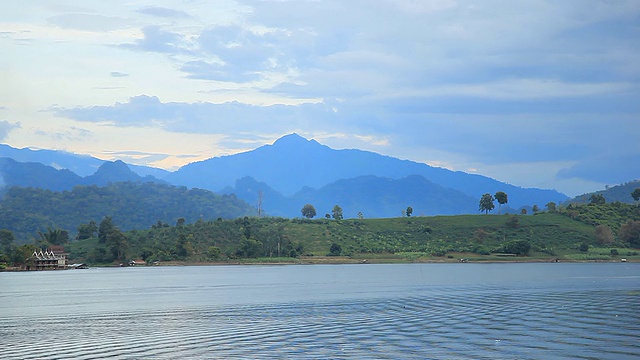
534, 93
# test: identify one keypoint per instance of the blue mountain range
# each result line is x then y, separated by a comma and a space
282, 177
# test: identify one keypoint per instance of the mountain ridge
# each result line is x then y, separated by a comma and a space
293, 162
294, 169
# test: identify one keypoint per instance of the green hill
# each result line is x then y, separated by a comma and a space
621, 193
132, 205
480, 237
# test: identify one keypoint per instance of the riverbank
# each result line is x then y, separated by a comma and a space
337, 260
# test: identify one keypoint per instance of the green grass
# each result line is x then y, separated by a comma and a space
438, 238
433, 235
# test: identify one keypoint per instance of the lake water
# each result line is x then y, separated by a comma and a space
408, 311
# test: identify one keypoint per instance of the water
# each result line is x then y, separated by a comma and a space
417, 311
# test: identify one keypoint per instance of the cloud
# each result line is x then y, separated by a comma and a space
6, 127
155, 39
88, 22
118, 74
163, 12
137, 157
69, 134
203, 117
483, 85
609, 168
216, 71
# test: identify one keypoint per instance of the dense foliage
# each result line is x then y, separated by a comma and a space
548, 234
202, 241
612, 215
597, 231
133, 205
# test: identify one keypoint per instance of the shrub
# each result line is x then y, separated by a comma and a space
518, 247
335, 250
438, 253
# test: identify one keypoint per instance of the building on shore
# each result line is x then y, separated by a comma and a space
54, 258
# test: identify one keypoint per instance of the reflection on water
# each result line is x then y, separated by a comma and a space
480, 311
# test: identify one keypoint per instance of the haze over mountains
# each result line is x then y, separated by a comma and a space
291, 172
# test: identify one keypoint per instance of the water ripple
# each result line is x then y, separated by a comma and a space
481, 324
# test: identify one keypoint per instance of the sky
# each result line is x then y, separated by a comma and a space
534, 93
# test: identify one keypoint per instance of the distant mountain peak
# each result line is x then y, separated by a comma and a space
112, 171
118, 165
293, 139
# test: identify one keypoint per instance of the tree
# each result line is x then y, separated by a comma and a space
630, 233
502, 199
54, 237
535, 209
512, 222
6, 240
551, 206
597, 199
86, 231
486, 203
409, 211
117, 243
335, 250
337, 212
604, 235
106, 226
523, 211
360, 215
22, 253
308, 211
636, 194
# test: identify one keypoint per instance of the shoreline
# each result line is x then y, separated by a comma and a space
345, 261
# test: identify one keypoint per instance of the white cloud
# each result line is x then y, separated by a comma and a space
6, 127
467, 84
88, 22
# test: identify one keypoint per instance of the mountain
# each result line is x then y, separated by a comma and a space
293, 162
384, 197
621, 193
289, 173
82, 165
115, 171
37, 175
375, 197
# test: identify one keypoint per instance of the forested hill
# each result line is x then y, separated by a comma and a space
621, 193
132, 205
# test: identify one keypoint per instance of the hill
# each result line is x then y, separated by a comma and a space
293, 163
621, 193
133, 205
480, 237
37, 175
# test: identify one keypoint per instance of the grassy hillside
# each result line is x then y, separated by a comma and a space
481, 237
442, 234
